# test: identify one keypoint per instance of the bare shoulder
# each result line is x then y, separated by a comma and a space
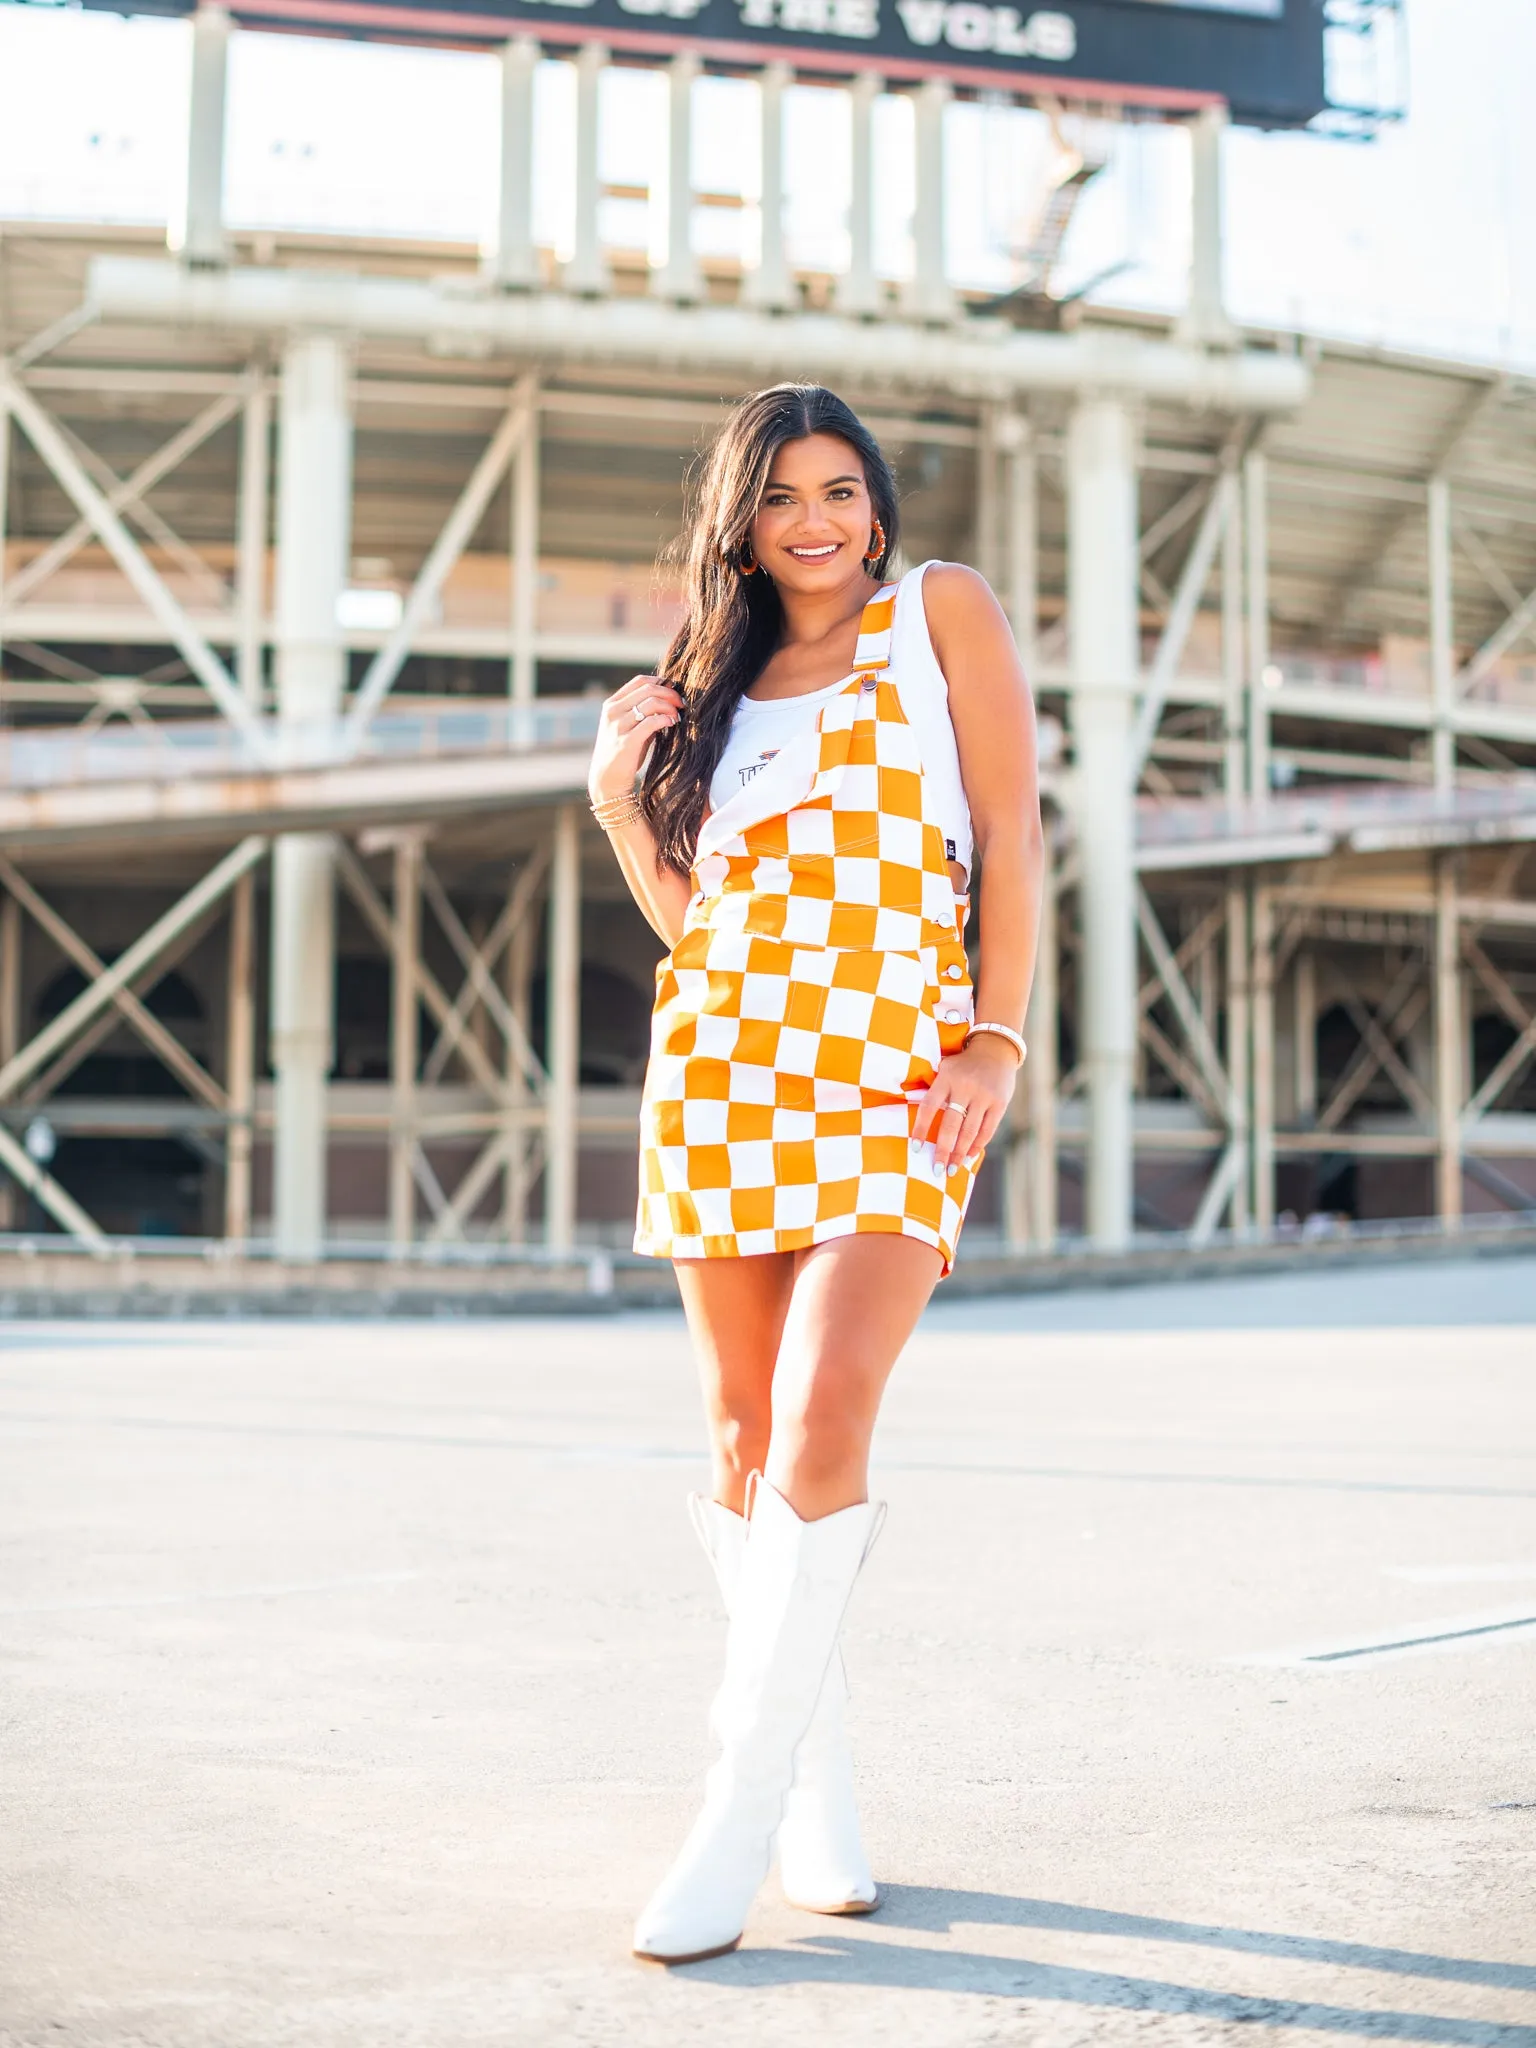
958, 599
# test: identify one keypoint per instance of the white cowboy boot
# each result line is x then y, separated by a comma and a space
794, 1585
821, 1859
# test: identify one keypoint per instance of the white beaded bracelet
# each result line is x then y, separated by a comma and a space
1000, 1031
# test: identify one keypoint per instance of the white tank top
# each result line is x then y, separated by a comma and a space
760, 729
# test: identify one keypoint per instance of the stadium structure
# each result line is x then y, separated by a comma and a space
318, 553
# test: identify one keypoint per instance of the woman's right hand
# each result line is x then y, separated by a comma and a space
631, 719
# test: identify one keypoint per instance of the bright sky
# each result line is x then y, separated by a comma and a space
1424, 239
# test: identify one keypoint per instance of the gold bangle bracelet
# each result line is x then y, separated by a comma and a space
614, 812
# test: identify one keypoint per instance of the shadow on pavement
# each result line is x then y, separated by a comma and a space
827, 1957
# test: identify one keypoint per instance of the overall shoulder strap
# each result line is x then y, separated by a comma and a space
873, 652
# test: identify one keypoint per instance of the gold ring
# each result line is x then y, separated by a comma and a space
953, 1109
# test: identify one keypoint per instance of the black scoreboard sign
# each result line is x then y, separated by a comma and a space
1264, 58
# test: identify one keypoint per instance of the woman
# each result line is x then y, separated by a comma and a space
795, 804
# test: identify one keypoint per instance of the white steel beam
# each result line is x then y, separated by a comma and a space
522, 668
771, 284
1185, 1008
1239, 1064
5, 495
252, 536
1181, 616
404, 1041
563, 1034
313, 534
128, 491
1497, 645
1220, 1189
1041, 1070
1263, 998
163, 1043
930, 296
587, 271
679, 279
1022, 581
10, 1015
1205, 321
737, 342
857, 291
42, 431
1442, 634
455, 535
202, 239
1256, 535
515, 263
1448, 1046
62, 1206
354, 878
128, 966
240, 1060
1101, 606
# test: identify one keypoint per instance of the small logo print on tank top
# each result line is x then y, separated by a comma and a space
753, 767
949, 850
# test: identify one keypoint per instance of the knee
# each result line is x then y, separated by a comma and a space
822, 1440
739, 1438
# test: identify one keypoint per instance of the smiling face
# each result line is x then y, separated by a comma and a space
815, 522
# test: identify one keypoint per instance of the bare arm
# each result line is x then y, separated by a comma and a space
622, 742
994, 721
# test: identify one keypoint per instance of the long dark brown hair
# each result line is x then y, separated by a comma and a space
733, 622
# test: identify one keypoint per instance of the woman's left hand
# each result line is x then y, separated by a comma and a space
967, 1101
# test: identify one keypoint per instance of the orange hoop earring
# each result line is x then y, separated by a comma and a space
747, 562
876, 546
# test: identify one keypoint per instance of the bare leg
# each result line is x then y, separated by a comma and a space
735, 1310
855, 1301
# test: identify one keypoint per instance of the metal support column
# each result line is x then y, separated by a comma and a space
1205, 322
858, 289
518, 1176
1022, 574
1256, 532
986, 500
515, 261
203, 241
5, 494
931, 296
1040, 1076
679, 277
522, 673
313, 533
251, 540
772, 286
1304, 1035
404, 1041
240, 1060
1101, 605
10, 1023
1442, 635
563, 1033
1449, 1053
1263, 1000
1234, 651
1238, 1024
587, 272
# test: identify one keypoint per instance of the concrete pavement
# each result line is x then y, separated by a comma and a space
354, 1678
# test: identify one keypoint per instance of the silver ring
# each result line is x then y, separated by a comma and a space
639, 717
953, 1109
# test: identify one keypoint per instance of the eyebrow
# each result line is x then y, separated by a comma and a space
850, 478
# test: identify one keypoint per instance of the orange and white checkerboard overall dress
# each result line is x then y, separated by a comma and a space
801, 1016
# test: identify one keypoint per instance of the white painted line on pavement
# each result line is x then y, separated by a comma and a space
1408, 1639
